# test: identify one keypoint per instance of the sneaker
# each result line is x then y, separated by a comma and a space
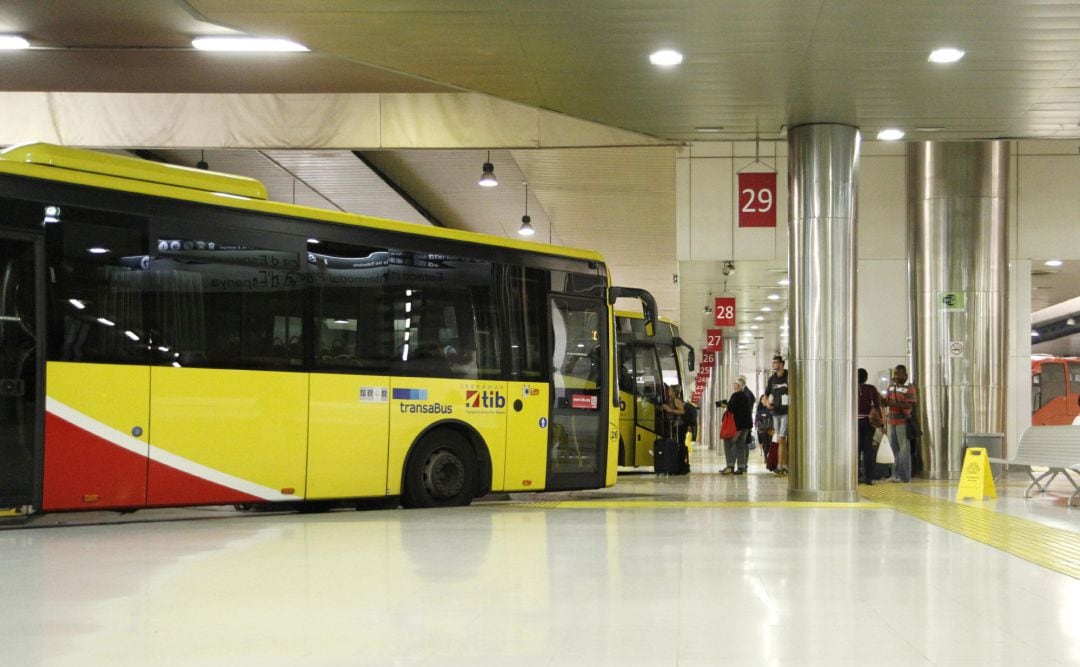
739, 472
727, 471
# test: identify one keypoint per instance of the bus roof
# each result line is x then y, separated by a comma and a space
91, 168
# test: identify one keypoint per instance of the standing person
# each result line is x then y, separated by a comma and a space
691, 419
735, 449
900, 400
764, 423
674, 409
777, 391
746, 390
869, 413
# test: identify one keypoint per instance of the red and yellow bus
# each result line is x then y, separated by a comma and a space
170, 337
1055, 390
646, 363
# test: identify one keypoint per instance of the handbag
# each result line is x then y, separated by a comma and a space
728, 429
913, 430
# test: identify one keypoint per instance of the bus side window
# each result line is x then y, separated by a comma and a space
98, 306
225, 304
445, 321
1053, 381
527, 317
351, 311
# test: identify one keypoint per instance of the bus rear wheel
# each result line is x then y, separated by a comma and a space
442, 472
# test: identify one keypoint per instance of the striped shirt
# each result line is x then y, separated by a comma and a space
901, 399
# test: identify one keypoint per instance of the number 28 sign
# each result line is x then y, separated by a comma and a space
757, 199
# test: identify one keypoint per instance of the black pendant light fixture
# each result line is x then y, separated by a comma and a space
487, 179
526, 228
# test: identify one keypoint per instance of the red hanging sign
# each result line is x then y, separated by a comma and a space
714, 341
707, 361
757, 199
724, 309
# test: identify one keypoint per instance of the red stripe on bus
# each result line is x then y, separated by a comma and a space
169, 486
84, 471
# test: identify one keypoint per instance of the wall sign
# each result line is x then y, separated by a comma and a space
724, 309
757, 199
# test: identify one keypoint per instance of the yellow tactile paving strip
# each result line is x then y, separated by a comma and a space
1052, 548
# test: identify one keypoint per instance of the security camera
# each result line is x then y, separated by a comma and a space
728, 269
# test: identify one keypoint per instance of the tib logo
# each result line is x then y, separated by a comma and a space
484, 399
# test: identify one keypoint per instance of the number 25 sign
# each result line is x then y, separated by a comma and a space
757, 199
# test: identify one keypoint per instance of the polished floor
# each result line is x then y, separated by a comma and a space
698, 570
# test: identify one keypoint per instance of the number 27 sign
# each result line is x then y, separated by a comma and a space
757, 199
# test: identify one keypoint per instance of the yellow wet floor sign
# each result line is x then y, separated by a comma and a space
976, 480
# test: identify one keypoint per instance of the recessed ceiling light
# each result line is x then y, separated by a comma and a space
753, 326
759, 318
13, 42
946, 55
665, 58
784, 282
932, 128
774, 297
890, 134
708, 129
1034, 334
97, 250
766, 309
1053, 262
245, 44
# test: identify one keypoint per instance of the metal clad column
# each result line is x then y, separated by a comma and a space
958, 281
823, 163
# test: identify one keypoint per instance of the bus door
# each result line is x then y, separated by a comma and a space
648, 399
577, 446
21, 340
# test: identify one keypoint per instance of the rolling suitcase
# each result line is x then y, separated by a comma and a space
666, 456
772, 455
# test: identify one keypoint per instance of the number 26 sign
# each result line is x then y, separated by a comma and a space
757, 199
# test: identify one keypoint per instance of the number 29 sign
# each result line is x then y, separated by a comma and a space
757, 199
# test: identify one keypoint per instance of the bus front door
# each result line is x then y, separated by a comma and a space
577, 445
21, 338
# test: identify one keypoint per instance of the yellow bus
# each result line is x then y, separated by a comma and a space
170, 337
646, 363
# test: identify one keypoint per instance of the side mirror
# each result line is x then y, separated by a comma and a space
679, 342
648, 303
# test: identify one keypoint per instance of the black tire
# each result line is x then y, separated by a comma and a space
442, 472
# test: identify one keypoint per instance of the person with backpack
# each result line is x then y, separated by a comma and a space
777, 391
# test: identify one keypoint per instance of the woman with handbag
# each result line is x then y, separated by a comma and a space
735, 428
869, 420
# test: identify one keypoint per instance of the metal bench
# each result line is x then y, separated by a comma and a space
1053, 447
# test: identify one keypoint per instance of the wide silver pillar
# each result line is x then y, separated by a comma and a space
823, 165
958, 281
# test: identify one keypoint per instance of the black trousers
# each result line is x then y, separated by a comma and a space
867, 450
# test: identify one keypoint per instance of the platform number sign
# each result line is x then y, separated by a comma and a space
714, 341
757, 199
724, 309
